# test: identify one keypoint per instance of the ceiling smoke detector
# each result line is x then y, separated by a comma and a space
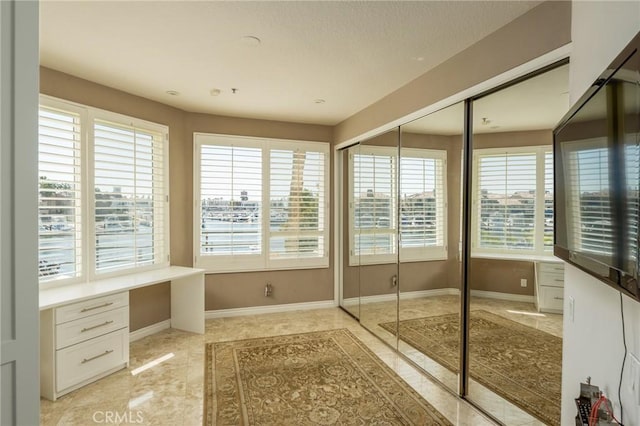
318, 101
172, 92
485, 121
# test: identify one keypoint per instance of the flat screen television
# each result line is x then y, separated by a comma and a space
597, 176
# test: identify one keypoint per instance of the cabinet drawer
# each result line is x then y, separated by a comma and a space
557, 268
91, 307
82, 329
550, 279
551, 298
85, 360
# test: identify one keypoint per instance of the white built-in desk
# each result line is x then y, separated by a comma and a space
84, 327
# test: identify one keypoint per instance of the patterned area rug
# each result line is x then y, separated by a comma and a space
519, 363
319, 378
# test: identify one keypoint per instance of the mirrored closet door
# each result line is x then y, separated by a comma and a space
447, 238
429, 228
515, 314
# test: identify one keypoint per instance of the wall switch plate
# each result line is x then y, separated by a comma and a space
523, 282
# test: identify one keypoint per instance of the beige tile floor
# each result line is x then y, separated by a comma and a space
170, 393
371, 315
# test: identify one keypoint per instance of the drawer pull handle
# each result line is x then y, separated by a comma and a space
558, 298
96, 307
85, 360
96, 326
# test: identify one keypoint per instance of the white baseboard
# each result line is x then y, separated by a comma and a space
149, 330
255, 310
403, 296
503, 296
352, 301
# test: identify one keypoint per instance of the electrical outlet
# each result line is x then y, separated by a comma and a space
523, 282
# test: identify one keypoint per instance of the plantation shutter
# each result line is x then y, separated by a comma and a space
59, 202
297, 205
548, 201
588, 173
506, 200
129, 190
422, 200
231, 200
374, 203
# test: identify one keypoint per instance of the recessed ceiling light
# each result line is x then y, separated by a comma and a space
250, 40
215, 92
418, 58
319, 101
172, 92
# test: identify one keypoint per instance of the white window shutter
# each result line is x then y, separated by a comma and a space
129, 191
59, 209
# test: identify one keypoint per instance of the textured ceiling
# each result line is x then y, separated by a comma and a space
350, 54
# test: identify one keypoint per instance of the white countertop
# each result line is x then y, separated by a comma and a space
57, 296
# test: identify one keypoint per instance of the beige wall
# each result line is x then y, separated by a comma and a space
149, 305
501, 276
541, 30
222, 290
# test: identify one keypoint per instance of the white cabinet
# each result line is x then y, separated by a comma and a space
549, 286
82, 342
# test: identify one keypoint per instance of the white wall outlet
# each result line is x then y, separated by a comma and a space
523, 282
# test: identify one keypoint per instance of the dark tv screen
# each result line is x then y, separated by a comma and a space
597, 176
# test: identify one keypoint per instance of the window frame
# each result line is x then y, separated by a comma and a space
538, 249
263, 261
88, 115
406, 254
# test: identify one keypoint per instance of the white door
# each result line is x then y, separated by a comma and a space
19, 315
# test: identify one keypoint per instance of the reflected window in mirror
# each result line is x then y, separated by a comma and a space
513, 201
374, 205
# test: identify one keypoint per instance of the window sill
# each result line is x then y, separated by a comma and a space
521, 257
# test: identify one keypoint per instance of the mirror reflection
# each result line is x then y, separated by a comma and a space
515, 320
429, 268
373, 246
350, 283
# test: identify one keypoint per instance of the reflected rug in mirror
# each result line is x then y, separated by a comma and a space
519, 363
319, 378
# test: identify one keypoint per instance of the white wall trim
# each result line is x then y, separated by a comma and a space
503, 296
149, 330
270, 309
352, 301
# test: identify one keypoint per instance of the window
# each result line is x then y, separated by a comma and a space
263, 203
513, 201
129, 195
119, 225
60, 203
374, 202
